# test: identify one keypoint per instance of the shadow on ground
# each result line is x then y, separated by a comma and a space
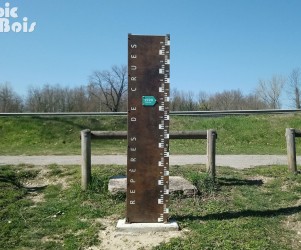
239, 182
244, 213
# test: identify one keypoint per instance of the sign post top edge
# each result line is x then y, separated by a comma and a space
130, 34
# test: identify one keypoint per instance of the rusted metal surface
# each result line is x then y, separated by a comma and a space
148, 129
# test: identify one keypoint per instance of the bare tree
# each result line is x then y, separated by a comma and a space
10, 101
109, 87
269, 91
40, 99
227, 100
203, 101
295, 87
183, 101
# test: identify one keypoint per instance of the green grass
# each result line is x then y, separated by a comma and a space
261, 134
64, 219
244, 209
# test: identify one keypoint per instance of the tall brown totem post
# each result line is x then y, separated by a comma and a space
148, 129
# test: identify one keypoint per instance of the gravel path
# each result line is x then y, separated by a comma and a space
235, 161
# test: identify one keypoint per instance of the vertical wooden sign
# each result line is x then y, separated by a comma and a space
148, 129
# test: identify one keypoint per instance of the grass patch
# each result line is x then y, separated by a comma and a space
65, 219
243, 209
61, 136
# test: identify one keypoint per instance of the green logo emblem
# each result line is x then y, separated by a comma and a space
148, 101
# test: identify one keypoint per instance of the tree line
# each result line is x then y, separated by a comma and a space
107, 91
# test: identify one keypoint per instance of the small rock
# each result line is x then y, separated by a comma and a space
177, 184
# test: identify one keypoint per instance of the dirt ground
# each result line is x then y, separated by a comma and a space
110, 238
113, 240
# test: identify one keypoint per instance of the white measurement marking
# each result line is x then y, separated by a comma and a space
162, 52
160, 201
167, 80
166, 154
161, 145
166, 173
161, 126
160, 182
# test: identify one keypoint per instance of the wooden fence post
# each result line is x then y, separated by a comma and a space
291, 150
211, 138
86, 158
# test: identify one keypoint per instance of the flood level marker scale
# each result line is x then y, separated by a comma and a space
148, 129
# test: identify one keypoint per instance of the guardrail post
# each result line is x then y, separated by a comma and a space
211, 138
86, 158
291, 149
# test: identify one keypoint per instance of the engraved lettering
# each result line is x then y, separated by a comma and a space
134, 56
133, 119
133, 89
133, 149
132, 202
133, 139
133, 108
134, 46
133, 78
133, 160
132, 191
133, 67
132, 181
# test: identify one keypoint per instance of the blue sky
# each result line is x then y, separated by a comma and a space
216, 45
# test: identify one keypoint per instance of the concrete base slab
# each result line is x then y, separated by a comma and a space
146, 227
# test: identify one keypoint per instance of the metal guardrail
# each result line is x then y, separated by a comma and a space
237, 112
174, 113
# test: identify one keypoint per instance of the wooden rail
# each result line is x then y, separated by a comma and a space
173, 135
87, 135
291, 134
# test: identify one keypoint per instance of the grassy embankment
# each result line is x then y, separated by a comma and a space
262, 134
